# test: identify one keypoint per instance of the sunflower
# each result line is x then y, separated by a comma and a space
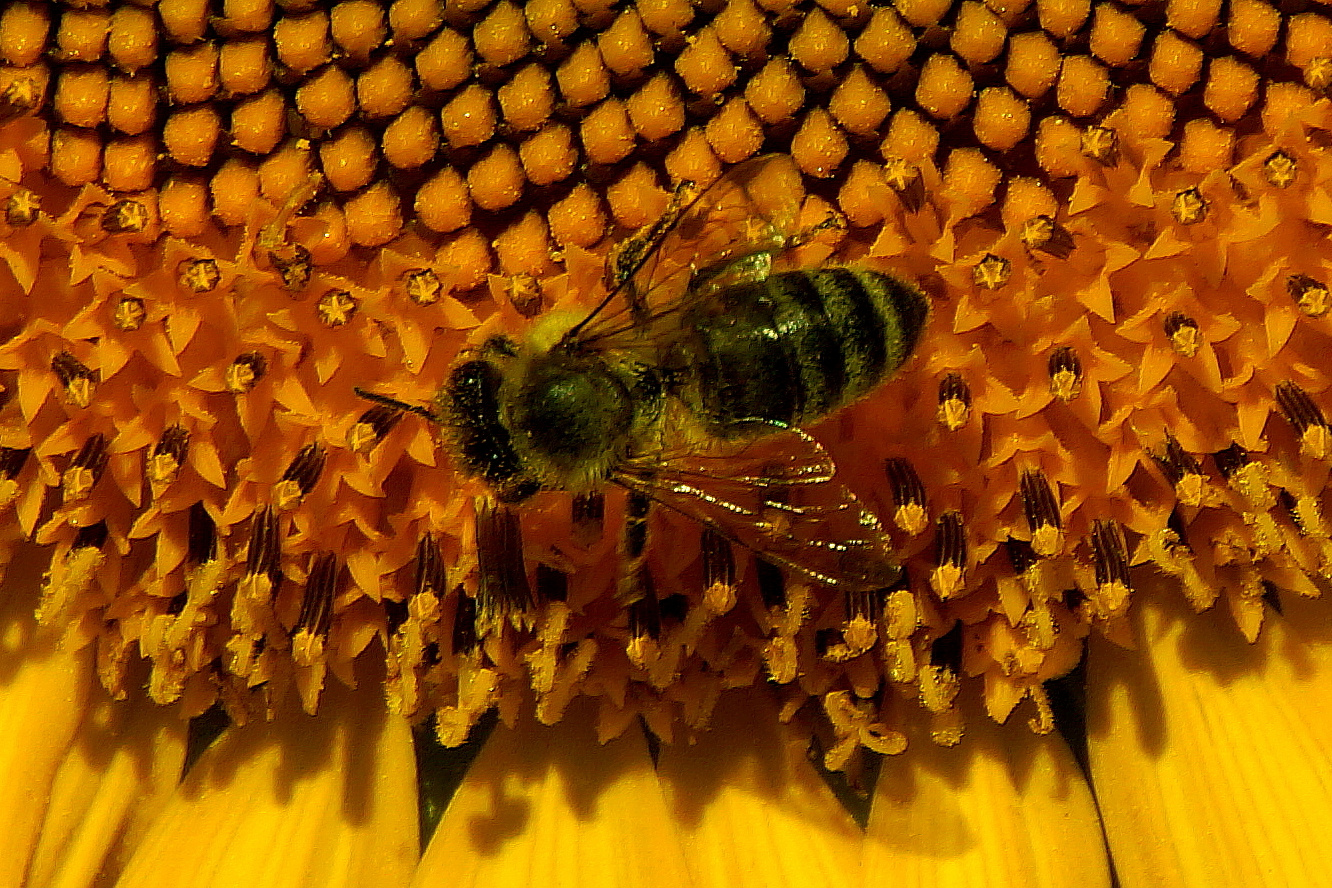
259, 630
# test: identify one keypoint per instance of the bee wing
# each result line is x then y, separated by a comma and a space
705, 240
778, 496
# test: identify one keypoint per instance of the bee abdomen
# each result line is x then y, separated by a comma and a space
800, 344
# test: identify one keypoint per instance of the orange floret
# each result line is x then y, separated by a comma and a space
625, 46
496, 180
469, 119
444, 203
1175, 63
258, 123
1002, 118
328, 98
944, 88
76, 156
191, 73
1193, 18
582, 77
528, 99
655, 109
129, 164
551, 21
185, 21
819, 147
1084, 86
1206, 147
578, 219
501, 38
23, 30
606, 133
1253, 26
412, 139
1062, 17
133, 38
190, 135
1116, 35
243, 66
349, 159
550, 155
82, 34
1033, 64
886, 42
818, 44
979, 35
858, 103
742, 27
415, 19
733, 132
234, 189
445, 62
81, 95
704, 65
303, 41
358, 27
923, 12
385, 88
1232, 88
374, 216
775, 92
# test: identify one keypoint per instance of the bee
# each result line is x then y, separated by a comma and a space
689, 383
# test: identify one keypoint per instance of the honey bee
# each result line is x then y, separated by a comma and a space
689, 383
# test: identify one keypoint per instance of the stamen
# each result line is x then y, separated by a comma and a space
1045, 234
502, 590
78, 380
300, 476
423, 286
22, 208
199, 275
911, 514
336, 308
1306, 418
1309, 294
465, 636
84, 472
949, 575
954, 401
992, 272
1182, 331
1101, 144
1065, 370
125, 217
245, 372
524, 294
718, 573
12, 460
1110, 561
1280, 169
129, 314
168, 456
906, 181
589, 517
71, 577
1182, 471
1042, 511
1189, 207
372, 427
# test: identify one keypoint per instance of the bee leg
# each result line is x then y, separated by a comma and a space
834, 221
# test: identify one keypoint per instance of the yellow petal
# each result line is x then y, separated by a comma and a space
118, 774
323, 801
752, 808
1210, 755
548, 806
43, 694
1003, 808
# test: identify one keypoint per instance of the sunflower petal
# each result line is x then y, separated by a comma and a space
43, 694
120, 770
548, 806
1209, 755
1005, 807
300, 801
755, 812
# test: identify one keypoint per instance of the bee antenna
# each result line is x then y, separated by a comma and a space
396, 404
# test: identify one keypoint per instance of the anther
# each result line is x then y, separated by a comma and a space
125, 217
950, 555
771, 584
906, 181
263, 554
430, 575
129, 314
21, 96
465, 637
1045, 234
1231, 460
1309, 294
1020, 555
588, 518
300, 477
1189, 207
321, 586
1065, 370
718, 572
645, 618
1280, 169
373, 425
502, 590
1111, 565
93, 536
12, 460
89, 463
77, 379
336, 308
908, 495
22, 208
1101, 144
201, 536
1182, 331
1182, 471
168, 456
1042, 511
292, 263
199, 275
422, 286
245, 372
1305, 417
524, 294
954, 401
552, 584
991, 272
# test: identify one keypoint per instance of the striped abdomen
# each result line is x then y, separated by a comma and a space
795, 346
